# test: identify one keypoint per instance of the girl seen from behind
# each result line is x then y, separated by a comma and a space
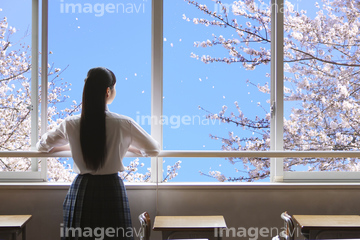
96, 202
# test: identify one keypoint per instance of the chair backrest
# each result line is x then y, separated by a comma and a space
289, 226
145, 223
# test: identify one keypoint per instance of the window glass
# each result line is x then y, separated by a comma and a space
216, 80
15, 77
322, 84
136, 170
115, 35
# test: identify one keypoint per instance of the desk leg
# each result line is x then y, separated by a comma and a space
218, 233
306, 234
167, 235
313, 234
23, 233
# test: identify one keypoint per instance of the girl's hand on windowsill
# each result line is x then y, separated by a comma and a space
60, 149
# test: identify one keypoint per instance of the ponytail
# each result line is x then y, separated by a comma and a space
92, 122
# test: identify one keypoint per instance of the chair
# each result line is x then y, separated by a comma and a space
289, 231
145, 228
277, 238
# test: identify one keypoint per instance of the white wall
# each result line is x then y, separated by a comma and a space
244, 205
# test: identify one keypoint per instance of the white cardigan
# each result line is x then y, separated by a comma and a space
121, 132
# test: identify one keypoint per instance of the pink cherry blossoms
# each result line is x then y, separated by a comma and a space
322, 65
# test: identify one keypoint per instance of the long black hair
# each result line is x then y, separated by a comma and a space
92, 123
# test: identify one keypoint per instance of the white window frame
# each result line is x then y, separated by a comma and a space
157, 13
35, 174
277, 89
277, 109
276, 153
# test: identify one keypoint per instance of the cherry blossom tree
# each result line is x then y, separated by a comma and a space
15, 102
131, 173
322, 65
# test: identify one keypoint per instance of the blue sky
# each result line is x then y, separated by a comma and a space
121, 41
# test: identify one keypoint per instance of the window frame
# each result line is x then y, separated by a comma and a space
35, 174
277, 174
277, 111
157, 16
277, 89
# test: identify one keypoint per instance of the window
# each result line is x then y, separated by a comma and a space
212, 82
291, 85
116, 35
321, 85
19, 94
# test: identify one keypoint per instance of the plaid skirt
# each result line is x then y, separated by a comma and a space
96, 207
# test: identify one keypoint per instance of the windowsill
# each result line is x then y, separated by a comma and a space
187, 185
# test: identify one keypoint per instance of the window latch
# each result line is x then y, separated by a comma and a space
30, 107
272, 109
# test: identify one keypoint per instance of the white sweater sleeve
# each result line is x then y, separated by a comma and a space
147, 145
54, 138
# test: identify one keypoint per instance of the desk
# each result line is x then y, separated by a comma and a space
170, 225
14, 224
335, 225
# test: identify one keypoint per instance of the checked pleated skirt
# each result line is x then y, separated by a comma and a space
96, 207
